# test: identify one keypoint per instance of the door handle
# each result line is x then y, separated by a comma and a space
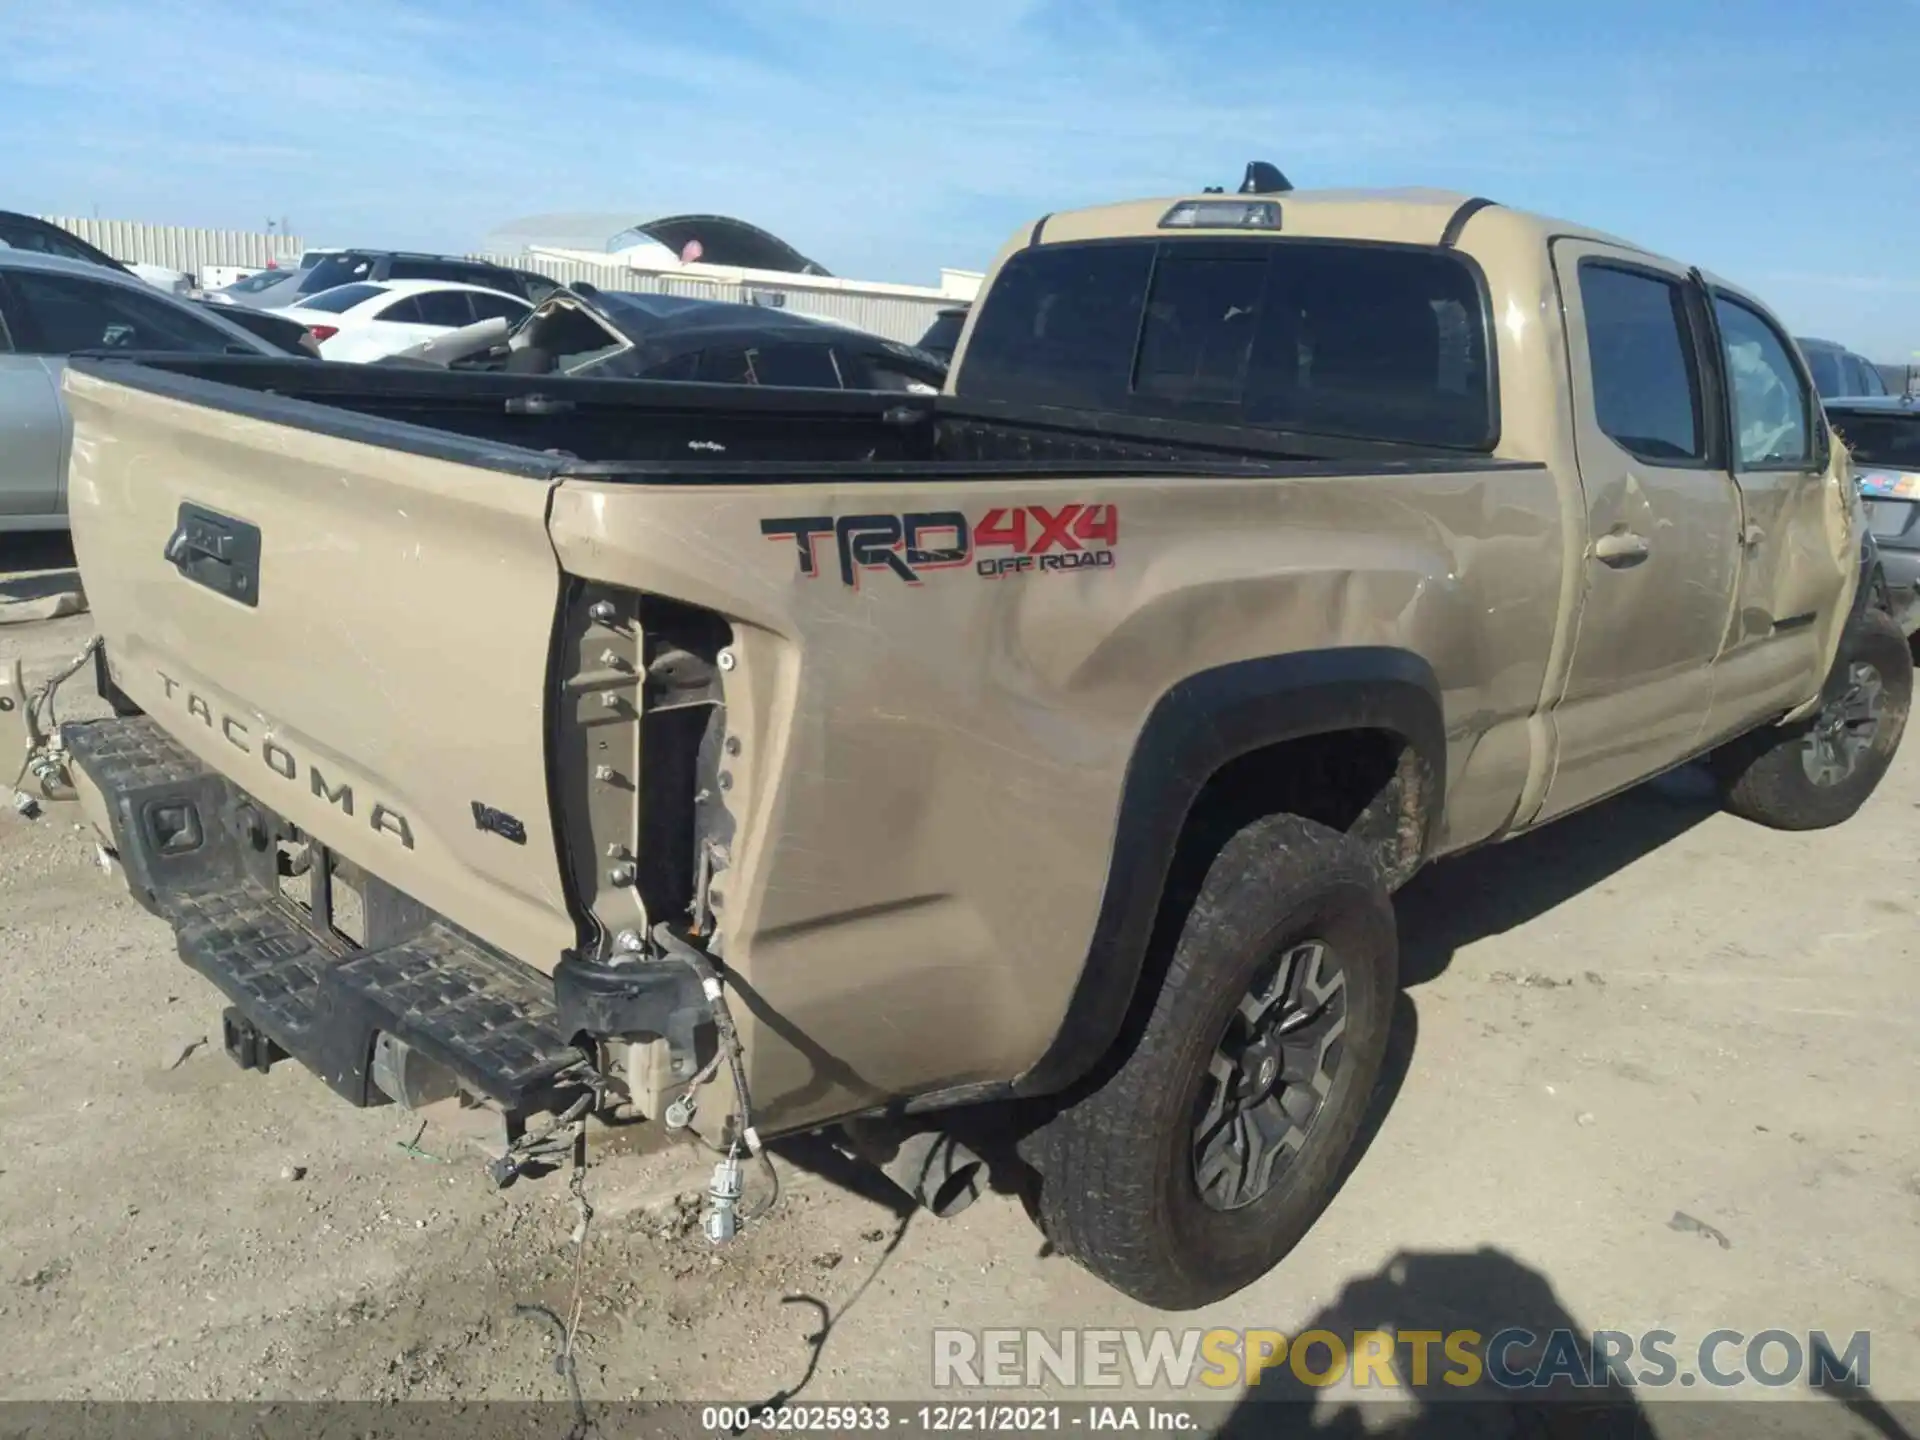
1752, 536
1620, 547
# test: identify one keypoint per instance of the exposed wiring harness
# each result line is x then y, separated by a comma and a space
43, 756
39, 714
729, 1036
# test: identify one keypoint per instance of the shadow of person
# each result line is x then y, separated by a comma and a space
1489, 891
1441, 1386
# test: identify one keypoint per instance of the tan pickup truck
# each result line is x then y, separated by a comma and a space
1047, 750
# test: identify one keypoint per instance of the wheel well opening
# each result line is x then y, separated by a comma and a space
1369, 783
1366, 783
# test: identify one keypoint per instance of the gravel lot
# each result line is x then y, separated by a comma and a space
1650, 1010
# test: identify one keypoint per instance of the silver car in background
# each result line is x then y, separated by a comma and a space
1883, 436
51, 307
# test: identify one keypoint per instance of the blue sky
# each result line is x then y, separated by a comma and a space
886, 138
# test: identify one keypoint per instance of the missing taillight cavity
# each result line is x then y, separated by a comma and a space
329, 891
294, 864
348, 894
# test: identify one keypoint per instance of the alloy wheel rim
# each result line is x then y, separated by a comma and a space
1270, 1075
1845, 729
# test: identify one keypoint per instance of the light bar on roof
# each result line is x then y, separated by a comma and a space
1223, 215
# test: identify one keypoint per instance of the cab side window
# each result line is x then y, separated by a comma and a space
1646, 378
445, 307
1772, 409
403, 312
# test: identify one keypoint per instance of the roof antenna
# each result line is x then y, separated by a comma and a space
1264, 179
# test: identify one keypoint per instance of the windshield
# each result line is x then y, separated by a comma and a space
343, 299
1373, 342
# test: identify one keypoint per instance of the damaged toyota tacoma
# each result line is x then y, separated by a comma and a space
756, 760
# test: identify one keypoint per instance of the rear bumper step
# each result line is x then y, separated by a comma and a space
201, 854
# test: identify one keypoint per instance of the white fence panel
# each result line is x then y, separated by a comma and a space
181, 247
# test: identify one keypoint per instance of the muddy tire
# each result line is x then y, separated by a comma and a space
1818, 772
1208, 1153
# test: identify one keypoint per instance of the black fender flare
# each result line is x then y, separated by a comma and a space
1871, 592
1202, 723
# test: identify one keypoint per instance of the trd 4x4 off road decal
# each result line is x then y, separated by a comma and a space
1032, 537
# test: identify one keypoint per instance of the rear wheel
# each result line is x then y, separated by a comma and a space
1213, 1147
1819, 771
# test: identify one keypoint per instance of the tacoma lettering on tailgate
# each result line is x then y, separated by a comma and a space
1034, 537
283, 762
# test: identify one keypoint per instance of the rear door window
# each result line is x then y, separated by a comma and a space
1640, 353
810, 366
445, 307
403, 312
1373, 342
496, 307
724, 365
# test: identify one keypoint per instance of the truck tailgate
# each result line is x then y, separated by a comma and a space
376, 676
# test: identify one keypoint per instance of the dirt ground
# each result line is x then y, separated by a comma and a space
1652, 1010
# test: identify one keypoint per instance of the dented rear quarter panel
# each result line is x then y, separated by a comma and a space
927, 791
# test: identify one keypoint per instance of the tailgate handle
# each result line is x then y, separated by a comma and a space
217, 551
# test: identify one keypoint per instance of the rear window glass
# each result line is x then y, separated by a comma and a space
1372, 342
1059, 326
807, 366
331, 270
342, 299
1889, 440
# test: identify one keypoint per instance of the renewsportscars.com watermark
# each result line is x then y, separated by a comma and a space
1512, 1358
